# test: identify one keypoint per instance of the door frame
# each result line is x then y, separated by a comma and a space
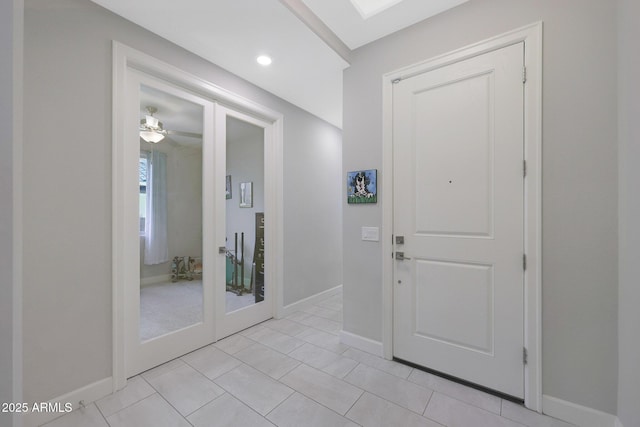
126, 59
531, 35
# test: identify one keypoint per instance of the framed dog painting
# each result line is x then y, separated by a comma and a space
362, 186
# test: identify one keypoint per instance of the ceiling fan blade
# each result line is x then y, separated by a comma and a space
187, 134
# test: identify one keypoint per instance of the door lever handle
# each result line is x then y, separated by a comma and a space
400, 256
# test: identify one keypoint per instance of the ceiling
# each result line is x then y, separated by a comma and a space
308, 58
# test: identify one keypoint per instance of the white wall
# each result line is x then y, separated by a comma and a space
245, 163
10, 62
579, 178
67, 188
629, 228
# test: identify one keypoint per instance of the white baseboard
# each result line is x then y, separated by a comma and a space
618, 422
576, 414
155, 279
88, 394
362, 343
309, 301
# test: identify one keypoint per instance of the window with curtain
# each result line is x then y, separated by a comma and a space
142, 173
156, 247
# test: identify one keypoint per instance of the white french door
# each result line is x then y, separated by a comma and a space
185, 300
172, 219
170, 227
245, 296
458, 153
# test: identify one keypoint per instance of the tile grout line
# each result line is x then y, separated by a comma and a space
450, 395
212, 400
323, 405
247, 405
428, 402
350, 370
100, 412
354, 403
131, 404
279, 404
384, 398
169, 403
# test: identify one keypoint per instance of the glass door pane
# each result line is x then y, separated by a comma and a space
170, 199
245, 203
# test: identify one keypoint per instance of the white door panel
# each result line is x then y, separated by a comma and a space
452, 170
184, 324
441, 304
208, 318
228, 319
458, 202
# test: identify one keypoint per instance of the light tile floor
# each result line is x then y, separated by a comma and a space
295, 372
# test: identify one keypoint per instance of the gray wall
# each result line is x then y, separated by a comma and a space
184, 207
245, 163
629, 228
579, 177
9, 377
67, 188
312, 198
6, 208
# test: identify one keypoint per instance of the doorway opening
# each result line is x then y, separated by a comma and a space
169, 197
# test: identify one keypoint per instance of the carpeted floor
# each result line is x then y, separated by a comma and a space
167, 307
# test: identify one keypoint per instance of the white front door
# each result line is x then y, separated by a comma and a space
458, 204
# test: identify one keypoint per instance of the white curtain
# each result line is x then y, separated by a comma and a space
156, 248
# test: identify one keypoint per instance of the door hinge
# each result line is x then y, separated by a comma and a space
525, 355
524, 261
524, 75
524, 168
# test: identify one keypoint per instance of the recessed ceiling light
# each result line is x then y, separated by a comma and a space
264, 60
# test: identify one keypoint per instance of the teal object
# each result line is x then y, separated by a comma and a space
229, 270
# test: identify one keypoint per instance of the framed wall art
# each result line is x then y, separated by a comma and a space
362, 186
246, 194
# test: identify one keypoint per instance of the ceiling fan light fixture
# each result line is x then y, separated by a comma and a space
151, 136
151, 121
151, 128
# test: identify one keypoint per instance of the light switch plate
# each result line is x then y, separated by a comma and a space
371, 234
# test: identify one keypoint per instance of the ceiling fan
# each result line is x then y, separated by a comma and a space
151, 129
